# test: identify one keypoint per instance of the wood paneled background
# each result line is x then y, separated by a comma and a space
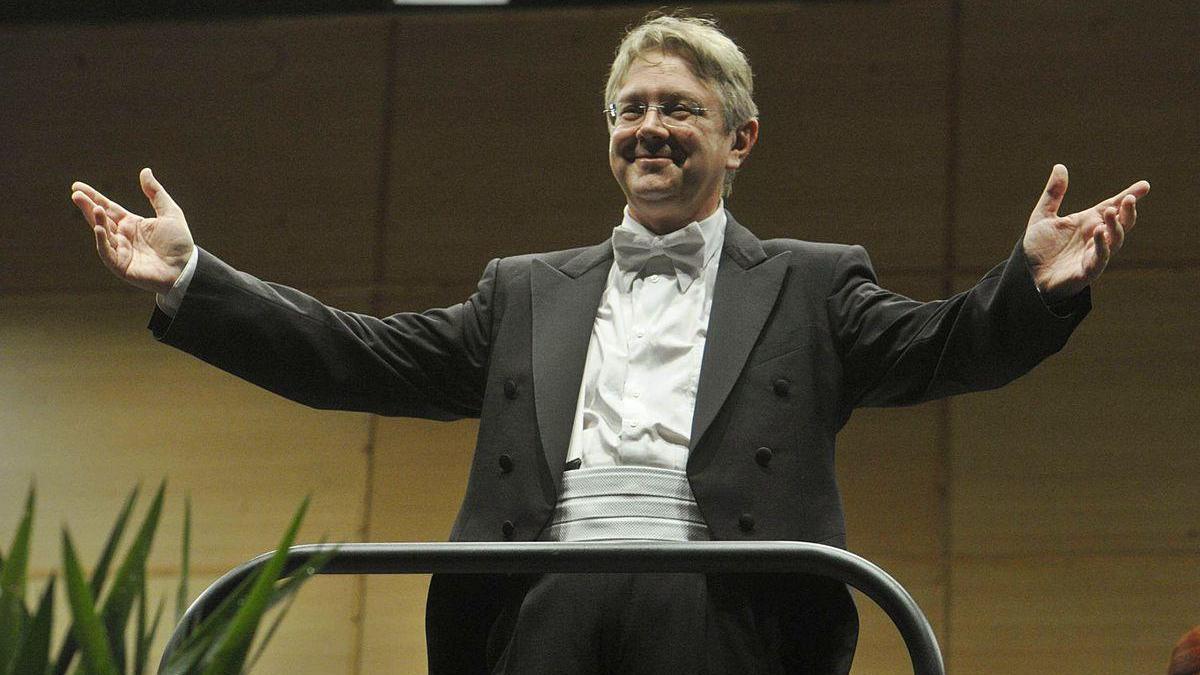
379, 161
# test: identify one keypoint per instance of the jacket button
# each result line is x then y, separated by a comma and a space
746, 522
763, 456
510, 389
507, 528
781, 387
506, 463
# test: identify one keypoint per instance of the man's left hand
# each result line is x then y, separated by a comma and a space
1067, 253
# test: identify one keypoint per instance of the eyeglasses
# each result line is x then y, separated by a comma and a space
626, 114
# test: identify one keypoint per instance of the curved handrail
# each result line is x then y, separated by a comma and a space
525, 557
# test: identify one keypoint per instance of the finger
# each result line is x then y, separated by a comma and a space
1052, 196
156, 193
92, 212
1116, 233
106, 248
1128, 213
1102, 253
100, 219
1138, 190
115, 210
85, 205
103, 246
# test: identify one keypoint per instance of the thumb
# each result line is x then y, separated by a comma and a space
156, 193
1052, 196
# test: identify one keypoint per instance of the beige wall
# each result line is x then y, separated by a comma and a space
379, 161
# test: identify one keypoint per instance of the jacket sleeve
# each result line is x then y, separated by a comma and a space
897, 351
430, 364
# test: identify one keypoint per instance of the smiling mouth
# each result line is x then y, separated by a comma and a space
655, 160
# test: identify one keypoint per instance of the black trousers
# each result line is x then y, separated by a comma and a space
654, 623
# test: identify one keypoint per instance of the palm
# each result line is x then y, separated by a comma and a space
148, 253
139, 248
1067, 253
1065, 247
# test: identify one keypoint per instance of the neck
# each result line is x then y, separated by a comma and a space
663, 223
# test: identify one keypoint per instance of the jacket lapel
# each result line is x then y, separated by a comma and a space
564, 308
747, 285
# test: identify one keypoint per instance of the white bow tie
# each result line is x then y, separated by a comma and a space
683, 247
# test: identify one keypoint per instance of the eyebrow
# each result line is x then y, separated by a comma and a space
663, 96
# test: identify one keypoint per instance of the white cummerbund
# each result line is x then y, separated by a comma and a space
626, 502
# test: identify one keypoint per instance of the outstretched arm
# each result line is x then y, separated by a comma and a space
149, 253
1067, 253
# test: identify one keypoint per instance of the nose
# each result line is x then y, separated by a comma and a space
652, 126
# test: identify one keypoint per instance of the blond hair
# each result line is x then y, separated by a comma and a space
713, 57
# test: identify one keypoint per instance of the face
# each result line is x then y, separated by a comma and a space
673, 175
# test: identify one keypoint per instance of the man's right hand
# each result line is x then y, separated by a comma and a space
149, 253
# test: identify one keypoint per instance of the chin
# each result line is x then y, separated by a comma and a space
653, 188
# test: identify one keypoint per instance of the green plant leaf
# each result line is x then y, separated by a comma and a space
198, 640
89, 631
67, 651
13, 615
146, 637
185, 563
139, 627
100, 573
231, 648
33, 649
128, 581
286, 592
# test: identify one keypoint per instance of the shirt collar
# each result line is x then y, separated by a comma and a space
712, 228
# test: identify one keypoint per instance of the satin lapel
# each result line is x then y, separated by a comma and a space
564, 308
747, 286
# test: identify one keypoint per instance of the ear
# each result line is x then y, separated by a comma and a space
744, 138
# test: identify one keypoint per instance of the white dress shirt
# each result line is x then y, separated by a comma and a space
638, 393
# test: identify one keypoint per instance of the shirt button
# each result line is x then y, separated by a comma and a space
654, 278
641, 334
510, 389
763, 456
632, 424
636, 394
746, 522
506, 463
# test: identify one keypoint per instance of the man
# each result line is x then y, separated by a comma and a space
681, 381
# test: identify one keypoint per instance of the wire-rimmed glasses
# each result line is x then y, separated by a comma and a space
623, 114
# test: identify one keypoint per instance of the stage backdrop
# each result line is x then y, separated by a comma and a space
379, 161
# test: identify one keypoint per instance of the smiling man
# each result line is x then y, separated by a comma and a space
675, 159
680, 381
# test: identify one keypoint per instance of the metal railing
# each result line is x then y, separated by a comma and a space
780, 557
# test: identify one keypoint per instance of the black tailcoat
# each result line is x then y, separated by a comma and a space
799, 335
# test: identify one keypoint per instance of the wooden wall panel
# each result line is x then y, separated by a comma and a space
512, 157
266, 132
1070, 515
92, 405
854, 134
1107, 615
1096, 449
393, 638
419, 477
498, 149
1106, 88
